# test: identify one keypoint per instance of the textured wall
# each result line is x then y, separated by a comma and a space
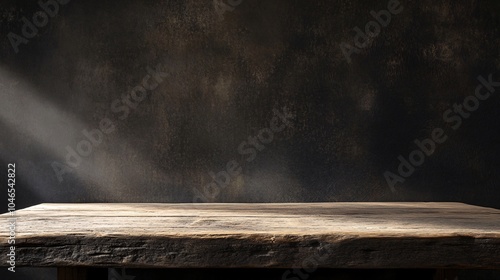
217, 79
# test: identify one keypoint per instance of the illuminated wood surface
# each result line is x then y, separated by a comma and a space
333, 235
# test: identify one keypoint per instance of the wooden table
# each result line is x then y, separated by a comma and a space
329, 235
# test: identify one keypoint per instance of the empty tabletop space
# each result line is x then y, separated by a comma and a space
264, 235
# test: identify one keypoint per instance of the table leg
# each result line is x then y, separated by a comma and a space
445, 274
71, 273
81, 273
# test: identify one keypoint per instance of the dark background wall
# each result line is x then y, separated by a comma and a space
225, 73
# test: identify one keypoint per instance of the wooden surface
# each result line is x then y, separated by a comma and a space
335, 235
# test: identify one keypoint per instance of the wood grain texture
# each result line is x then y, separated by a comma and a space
334, 235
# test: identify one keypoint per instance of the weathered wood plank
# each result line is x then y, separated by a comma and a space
335, 235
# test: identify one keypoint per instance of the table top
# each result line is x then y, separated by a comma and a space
222, 235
